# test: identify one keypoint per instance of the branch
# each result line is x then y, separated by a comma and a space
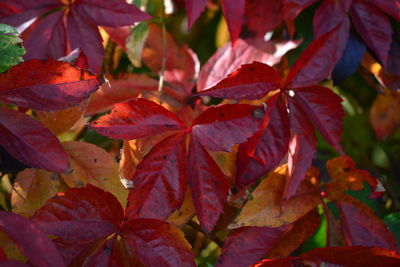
210, 236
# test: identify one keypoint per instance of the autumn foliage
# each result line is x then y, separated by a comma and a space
134, 133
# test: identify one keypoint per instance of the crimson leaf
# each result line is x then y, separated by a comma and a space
47, 85
135, 119
30, 142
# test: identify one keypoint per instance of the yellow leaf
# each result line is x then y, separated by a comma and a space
265, 207
185, 213
91, 164
32, 188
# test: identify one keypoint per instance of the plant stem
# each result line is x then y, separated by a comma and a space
164, 46
210, 236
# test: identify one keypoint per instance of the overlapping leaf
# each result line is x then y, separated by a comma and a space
338, 256
32, 188
355, 256
181, 63
248, 245
219, 128
345, 176
229, 58
209, 185
361, 226
10, 47
297, 99
159, 181
265, 208
60, 121
93, 215
30, 142
368, 18
33, 242
137, 118
160, 177
47, 85
50, 36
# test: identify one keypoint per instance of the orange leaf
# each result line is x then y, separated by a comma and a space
345, 176
91, 164
385, 114
32, 188
265, 207
61, 121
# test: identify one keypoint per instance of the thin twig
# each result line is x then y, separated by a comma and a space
210, 236
164, 51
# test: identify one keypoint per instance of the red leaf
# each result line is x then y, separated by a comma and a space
317, 61
3, 255
324, 109
354, 256
194, 9
23, 11
81, 214
391, 8
327, 17
30, 142
301, 148
268, 146
13, 263
248, 169
209, 186
47, 85
159, 180
330, 14
85, 36
181, 63
284, 262
261, 17
374, 28
291, 8
158, 243
119, 90
135, 119
229, 58
80, 217
85, 218
301, 231
233, 13
251, 81
108, 254
248, 245
76, 58
219, 128
34, 243
362, 227
119, 35
114, 13
48, 38
81, 19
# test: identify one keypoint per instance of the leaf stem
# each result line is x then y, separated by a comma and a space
210, 236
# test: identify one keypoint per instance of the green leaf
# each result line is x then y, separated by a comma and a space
11, 49
135, 43
392, 220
